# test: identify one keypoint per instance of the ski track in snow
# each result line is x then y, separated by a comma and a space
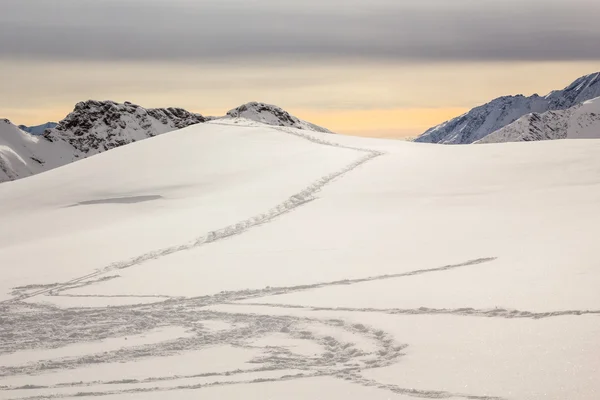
225, 297
48, 327
32, 325
27, 326
467, 312
424, 394
290, 204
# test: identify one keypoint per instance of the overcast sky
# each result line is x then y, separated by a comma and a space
82, 35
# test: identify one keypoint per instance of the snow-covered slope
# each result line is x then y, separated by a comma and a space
97, 126
488, 118
272, 115
581, 121
38, 129
233, 259
23, 154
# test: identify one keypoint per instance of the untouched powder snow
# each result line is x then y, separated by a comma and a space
245, 260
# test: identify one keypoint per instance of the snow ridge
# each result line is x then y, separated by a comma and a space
581, 121
490, 117
97, 126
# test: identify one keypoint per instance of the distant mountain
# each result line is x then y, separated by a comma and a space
23, 154
272, 115
38, 129
483, 120
97, 126
93, 127
581, 121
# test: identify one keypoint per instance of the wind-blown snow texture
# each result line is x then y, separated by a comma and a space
233, 259
581, 121
483, 120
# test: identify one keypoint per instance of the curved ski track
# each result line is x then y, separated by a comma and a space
293, 202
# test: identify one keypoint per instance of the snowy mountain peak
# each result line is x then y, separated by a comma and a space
272, 115
490, 117
96, 126
585, 88
582, 121
38, 129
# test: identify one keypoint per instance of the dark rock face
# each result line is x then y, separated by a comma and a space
96, 126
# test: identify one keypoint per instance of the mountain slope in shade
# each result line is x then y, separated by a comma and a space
581, 121
23, 154
97, 126
38, 129
272, 115
483, 120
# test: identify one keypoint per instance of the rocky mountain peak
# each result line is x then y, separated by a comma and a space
95, 126
271, 115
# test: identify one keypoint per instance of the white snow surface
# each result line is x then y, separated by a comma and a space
581, 121
233, 259
483, 120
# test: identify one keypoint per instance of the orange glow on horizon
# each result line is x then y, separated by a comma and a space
392, 123
385, 123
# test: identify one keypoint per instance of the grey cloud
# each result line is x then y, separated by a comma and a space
186, 30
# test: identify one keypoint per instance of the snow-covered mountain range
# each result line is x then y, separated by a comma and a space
97, 126
581, 121
38, 129
490, 117
23, 154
